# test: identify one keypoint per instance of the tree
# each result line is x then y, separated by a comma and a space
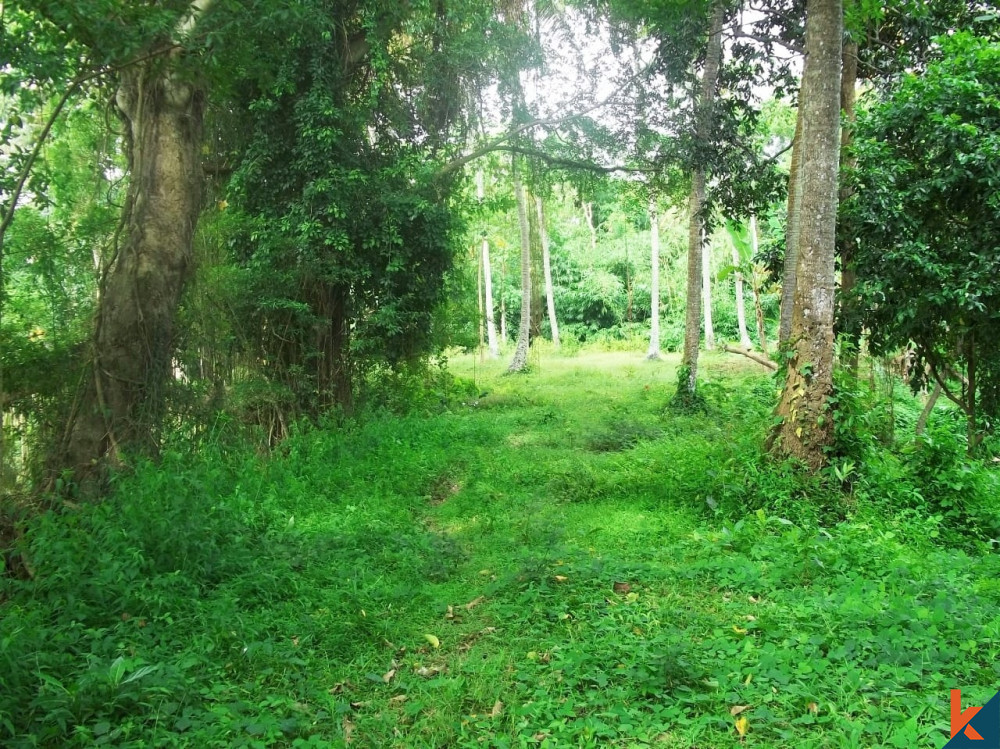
520, 361
792, 221
547, 269
741, 311
926, 216
654, 314
805, 430
491, 328
696, 205
160, 101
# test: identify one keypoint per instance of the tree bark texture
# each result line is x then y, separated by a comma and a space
122, 405
520, 361
696, 205
791, 233
806, 427
550, 299
654, 294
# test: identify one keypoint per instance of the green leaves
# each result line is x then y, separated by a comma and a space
926, 216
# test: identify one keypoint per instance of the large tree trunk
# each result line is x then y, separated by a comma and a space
547, 268
654, 293
520, 361
806, 427
122, 406
791, 234
696, 205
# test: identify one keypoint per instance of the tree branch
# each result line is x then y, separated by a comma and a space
753, 356
496, 143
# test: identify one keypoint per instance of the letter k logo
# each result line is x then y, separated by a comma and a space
960, 719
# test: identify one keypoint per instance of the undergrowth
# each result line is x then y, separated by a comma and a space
557, 560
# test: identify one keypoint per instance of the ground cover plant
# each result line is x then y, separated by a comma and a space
556, 559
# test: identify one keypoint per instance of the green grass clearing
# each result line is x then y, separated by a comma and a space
552, 560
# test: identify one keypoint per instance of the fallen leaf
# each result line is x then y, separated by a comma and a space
399, 698
473, 603
348, 730
737, 709
561, 578
339, 687
742, 726
450, 614
621, 587
427, 672
813, 708
387, 676
750, 618
497, 709
434, 641
739, 630
752, 599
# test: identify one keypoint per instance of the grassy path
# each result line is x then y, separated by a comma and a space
556, 561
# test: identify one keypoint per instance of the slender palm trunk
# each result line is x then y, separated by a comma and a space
696, 204
491, 326
741, 310
588, 214
706, 293
520, 361
756, 281
547, 269
487, 271
654, 295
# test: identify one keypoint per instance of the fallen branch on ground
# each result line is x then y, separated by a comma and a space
763, 360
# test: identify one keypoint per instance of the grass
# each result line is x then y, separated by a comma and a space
551, 560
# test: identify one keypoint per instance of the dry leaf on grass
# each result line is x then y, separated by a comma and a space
348, 730
737, 709
742, 726
473, 603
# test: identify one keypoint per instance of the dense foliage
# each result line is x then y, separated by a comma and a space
926, 216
